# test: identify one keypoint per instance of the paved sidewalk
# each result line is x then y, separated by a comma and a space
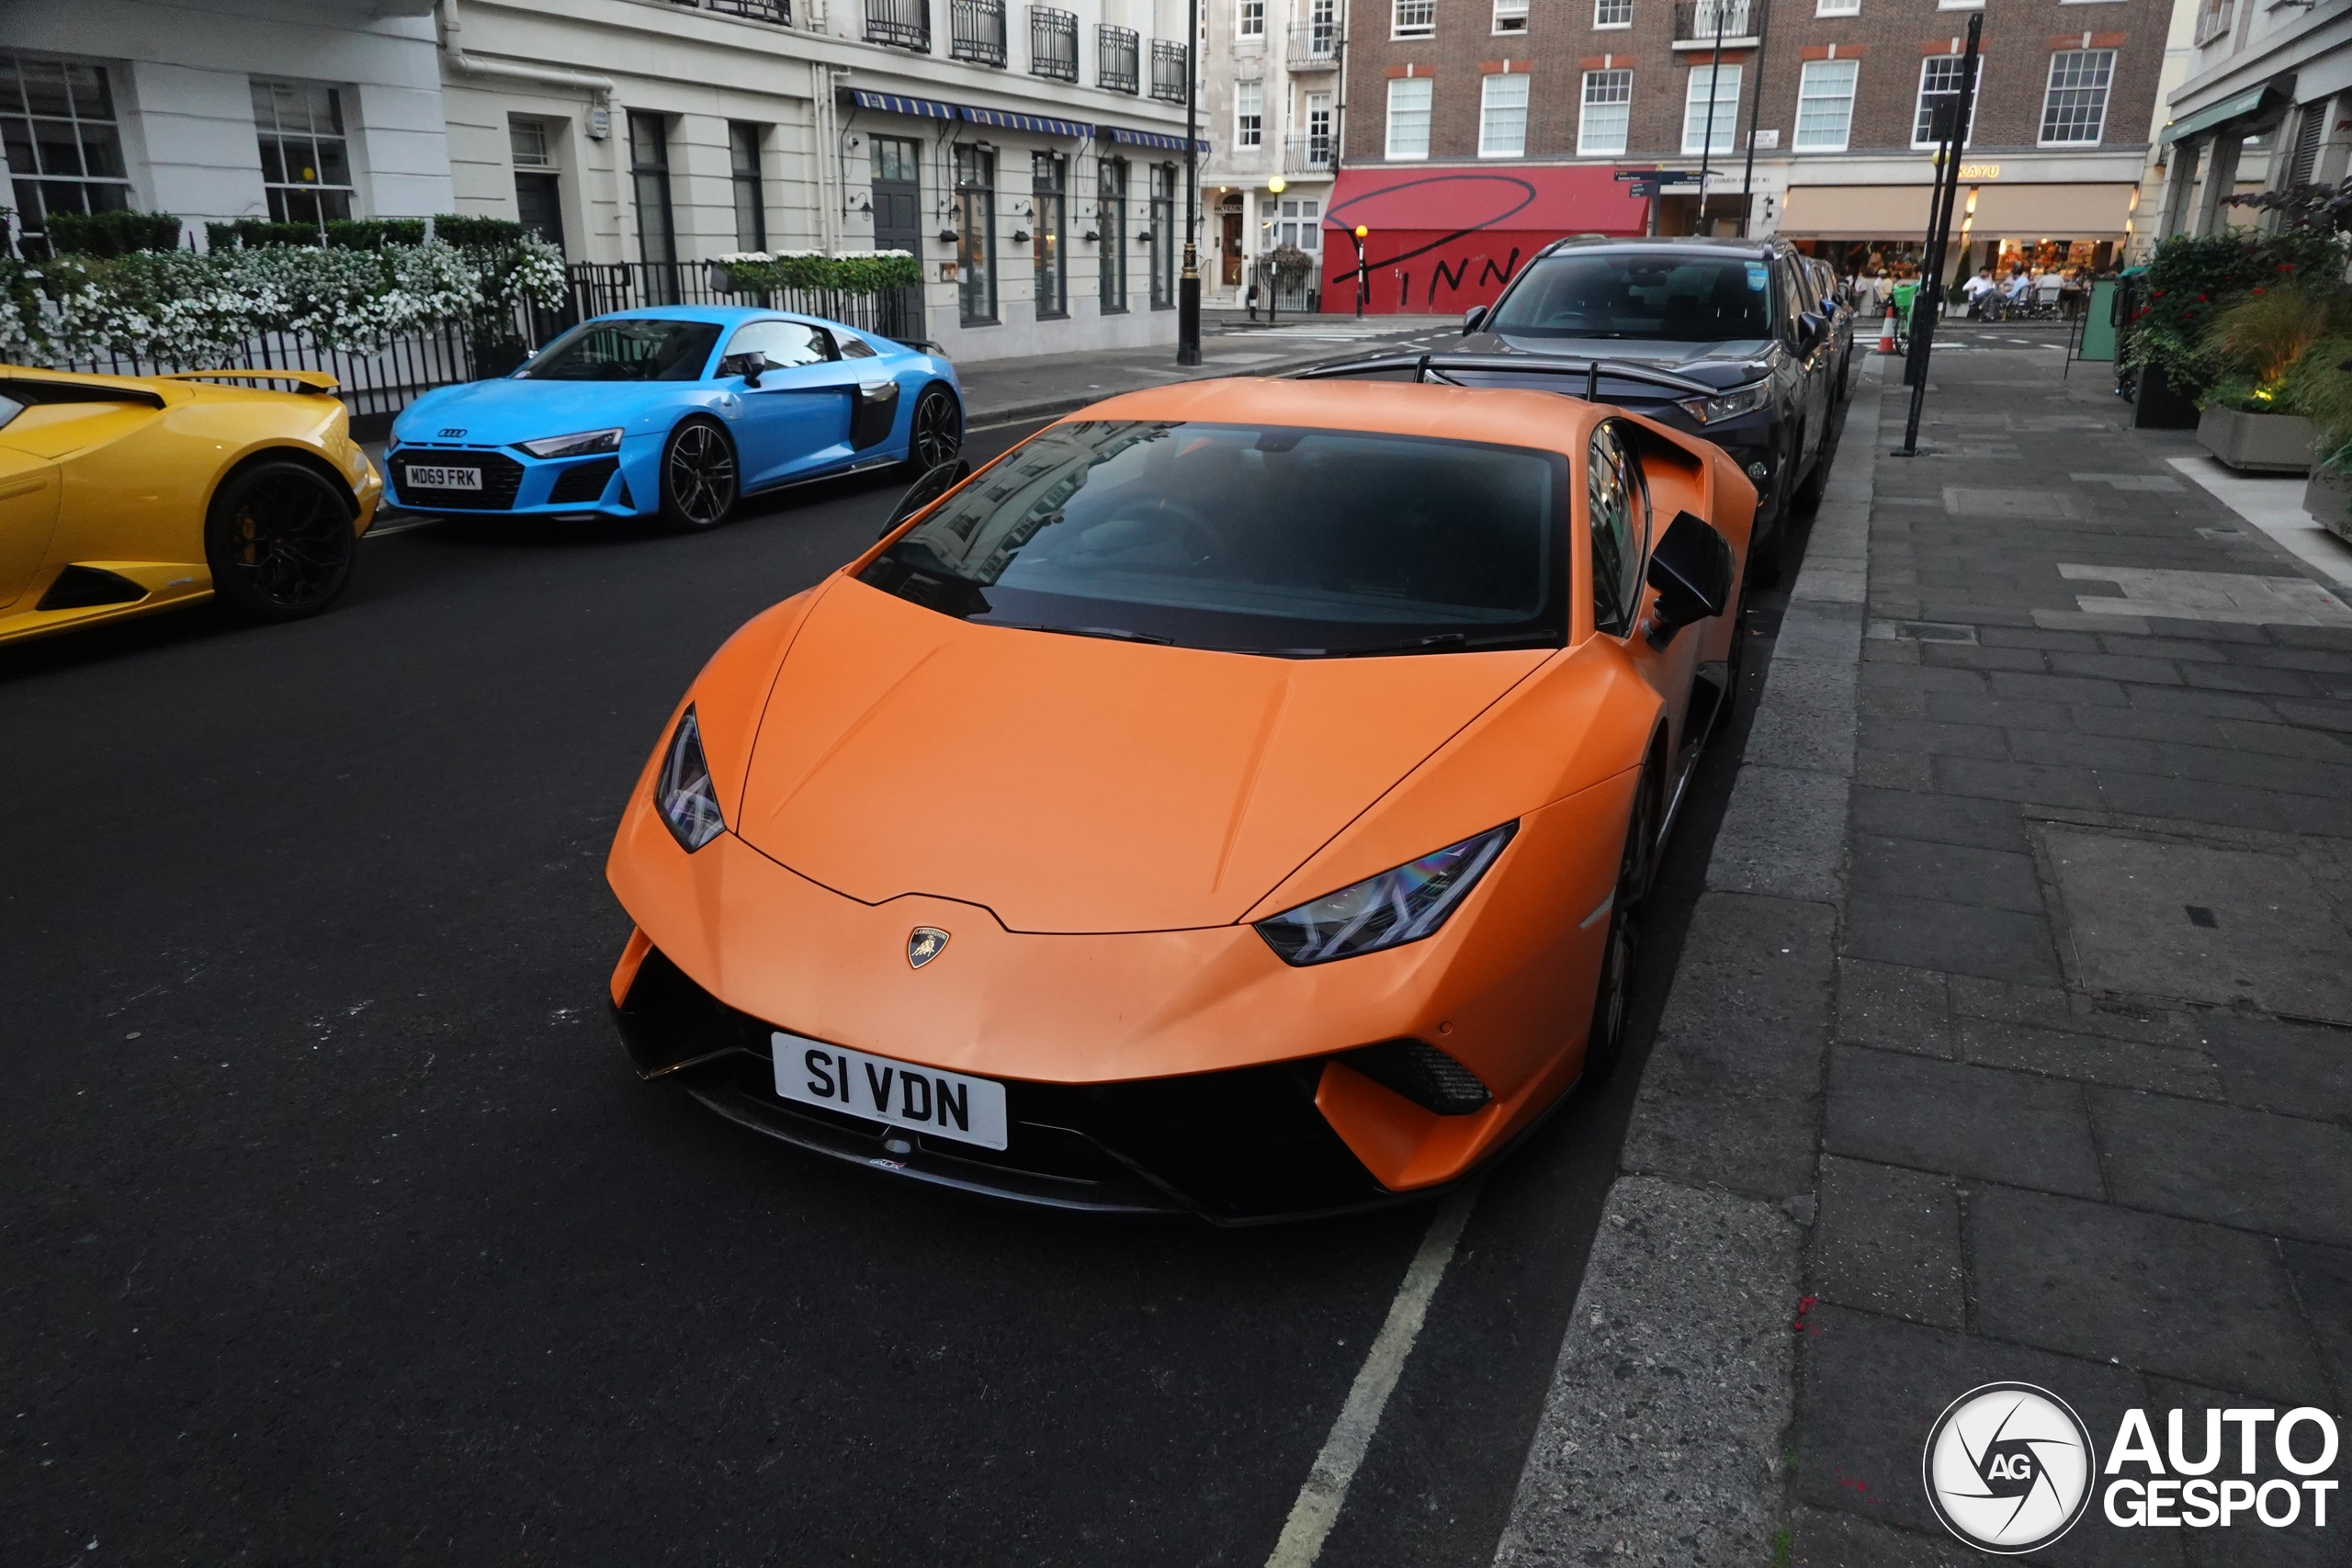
2090, 1068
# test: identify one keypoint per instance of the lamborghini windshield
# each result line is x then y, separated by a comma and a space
1298, 543
1670, 296
627, 350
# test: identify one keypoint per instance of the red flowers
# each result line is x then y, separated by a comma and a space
2200, 298
2259, 290
2158, 294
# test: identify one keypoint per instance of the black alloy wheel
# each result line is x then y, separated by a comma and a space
937, 432
1612, 1000
1764, 549
1734, 663
699, 483
278, 538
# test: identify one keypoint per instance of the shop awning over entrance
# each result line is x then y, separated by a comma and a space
2050, 212
2003, 211
1855, 212
1448, 239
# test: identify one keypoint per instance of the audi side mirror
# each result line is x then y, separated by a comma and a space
1471, 318
1692, 569
926, 490
748, 364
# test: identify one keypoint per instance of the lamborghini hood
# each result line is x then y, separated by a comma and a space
1078, 784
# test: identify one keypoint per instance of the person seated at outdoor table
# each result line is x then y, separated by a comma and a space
1976, 288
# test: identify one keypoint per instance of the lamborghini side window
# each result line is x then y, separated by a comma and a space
1620, 519
786, 345
10, 409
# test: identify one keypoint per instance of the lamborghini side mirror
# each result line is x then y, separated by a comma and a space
1692, 569
928, 489
1471, 318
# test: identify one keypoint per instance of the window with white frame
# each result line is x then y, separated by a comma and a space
1502, 118
1249, 113
1612, 12
1252, 22
1825, 104
1412, 19
1939, 79
2074, 111
1715, 86
57, 120
1838, 8
1409, 117
1511, 15
305, 163
1608, 105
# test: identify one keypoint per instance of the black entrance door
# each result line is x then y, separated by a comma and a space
898, 224
537, 203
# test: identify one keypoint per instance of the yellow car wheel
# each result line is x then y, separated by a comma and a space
279, 541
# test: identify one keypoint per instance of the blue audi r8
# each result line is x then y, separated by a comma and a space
677, 411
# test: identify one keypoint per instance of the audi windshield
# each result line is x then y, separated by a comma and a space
1255, 539
648, 349
1666, 296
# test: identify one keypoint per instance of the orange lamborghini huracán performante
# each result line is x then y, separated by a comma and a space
1237, 798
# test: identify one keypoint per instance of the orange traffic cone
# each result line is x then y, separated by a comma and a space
1886, 331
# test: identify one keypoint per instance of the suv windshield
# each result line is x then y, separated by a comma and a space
1257, 540
627, 350
1669, 296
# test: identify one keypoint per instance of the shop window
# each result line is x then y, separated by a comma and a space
1162, 219
975, 235
1111, 215
1049, 195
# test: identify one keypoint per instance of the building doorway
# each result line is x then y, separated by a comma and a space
898, 224
1229, 244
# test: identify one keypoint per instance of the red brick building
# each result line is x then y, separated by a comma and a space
1561, 95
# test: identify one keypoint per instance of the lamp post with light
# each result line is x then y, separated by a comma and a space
1364, 277
1188, 286
1275, 188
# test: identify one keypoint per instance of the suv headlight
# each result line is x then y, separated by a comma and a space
581, 445
1388, 911
682, 791
1729, 405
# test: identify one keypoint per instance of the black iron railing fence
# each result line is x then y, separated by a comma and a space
776, 11
1115, 58
902, 24
976, 30
1168, 71
377, 383
1053, 43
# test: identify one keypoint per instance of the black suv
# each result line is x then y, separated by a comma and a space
1733, 339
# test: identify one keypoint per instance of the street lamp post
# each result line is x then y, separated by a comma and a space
1188, 288
1363, 276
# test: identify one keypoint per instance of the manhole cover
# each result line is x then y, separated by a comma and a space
2165, 918
1963, 502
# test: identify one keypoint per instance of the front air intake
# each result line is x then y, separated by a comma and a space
1422, 1074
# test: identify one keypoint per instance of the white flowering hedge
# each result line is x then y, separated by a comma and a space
190, 309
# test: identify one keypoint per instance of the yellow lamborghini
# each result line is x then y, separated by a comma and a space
124, 494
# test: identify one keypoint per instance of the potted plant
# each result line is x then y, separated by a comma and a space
2321, 386
2250, 420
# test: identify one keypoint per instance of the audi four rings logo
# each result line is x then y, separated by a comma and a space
925, 943
2008, 1468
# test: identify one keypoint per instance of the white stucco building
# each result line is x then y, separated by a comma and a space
1031, 157
1271, 107
2267, 103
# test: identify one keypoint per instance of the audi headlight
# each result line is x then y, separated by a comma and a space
585, 444
683, 791
1729, 405
1388, 911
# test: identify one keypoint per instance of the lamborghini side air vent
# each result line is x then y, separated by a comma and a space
1422, 1074
87, 587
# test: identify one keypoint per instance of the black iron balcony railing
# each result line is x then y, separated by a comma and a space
1695, 22
1313, 46
976, 30
1168, 67
1310, 154
776, 11
1053, 43
901, 24
1115, 57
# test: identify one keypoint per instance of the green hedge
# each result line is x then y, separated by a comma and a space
112, 233
844, 274
2192, 279
367, 233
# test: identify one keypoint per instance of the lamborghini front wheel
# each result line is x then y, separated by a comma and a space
279, 541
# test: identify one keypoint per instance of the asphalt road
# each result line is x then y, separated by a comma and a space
336, 1229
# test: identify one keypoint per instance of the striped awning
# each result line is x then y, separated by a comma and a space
891, 103
1036, 123
1148, 138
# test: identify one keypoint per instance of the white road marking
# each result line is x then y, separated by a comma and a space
1318, 1507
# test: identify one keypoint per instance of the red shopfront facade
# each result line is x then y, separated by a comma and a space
1445, 239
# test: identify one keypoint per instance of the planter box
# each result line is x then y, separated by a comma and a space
2257, 443
2328, 498
2155, 406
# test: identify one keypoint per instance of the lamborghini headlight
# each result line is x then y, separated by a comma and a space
1388, 911
1729, 405
586, 443
683, 791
